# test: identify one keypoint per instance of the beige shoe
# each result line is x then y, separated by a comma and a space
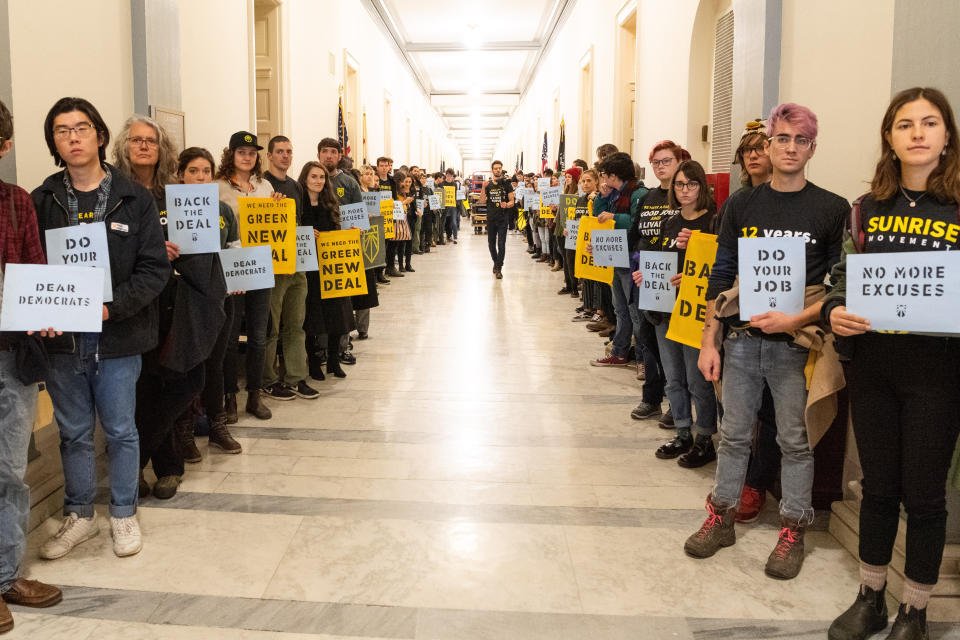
126, 536
73, 530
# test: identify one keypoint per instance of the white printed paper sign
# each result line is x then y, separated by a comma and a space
84, 245
399, 212
550, 195
543, 183
371, 199
307, 249
610, 248
461, 194
37, 296
247, 268
570, 242
355, 215
193, 217
434, 202
430, 183
912, 291
773, 275
655, 292
531, 201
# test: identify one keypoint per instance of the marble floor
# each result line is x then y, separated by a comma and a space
472, 478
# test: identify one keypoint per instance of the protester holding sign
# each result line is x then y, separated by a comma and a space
403, 229
451, 222
565, 212
764, 350
363, 304
586, 185
330, 317
430, 207
685, 385
498, 196
241, 176
396, 248
94, 375
903, 387
20, 244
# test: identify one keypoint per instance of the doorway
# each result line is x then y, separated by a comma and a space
386, 124
586, 105
267, 68
351, 105
626, 82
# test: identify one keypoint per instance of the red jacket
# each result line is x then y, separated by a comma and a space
19, 238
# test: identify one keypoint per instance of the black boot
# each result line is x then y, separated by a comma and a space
316, 368
867, 615
702, 453
911, 624
186, 446
230, 407
333, 366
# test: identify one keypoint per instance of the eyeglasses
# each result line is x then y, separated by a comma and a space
686, 186
753, 148
83, 130
661, 163
139, 142
783, 140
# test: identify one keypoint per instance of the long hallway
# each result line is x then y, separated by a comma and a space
472, 478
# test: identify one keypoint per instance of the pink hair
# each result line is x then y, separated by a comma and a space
679, 152
797, 115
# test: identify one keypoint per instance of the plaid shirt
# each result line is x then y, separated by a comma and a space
23, 245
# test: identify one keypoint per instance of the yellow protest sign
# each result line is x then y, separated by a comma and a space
450, 196
521, 221
546, 213
265, 221
584, 267
386, 210
340, 254
690, 309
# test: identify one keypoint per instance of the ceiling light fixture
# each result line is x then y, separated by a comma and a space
471, 40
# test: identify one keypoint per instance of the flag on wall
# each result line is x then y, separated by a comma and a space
342, 136
364, 137
516, 166
521, 161
543, 154
561, 149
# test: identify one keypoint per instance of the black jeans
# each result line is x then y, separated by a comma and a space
763, 469
161, 397
653, 385
392, 251
568, 265
255, 305
426, 231
497, 237
905, 406
212, 395
407, 252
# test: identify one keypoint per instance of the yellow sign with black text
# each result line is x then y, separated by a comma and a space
449, 196
265, 221
690, 310
340, 254
386, 210
583, 265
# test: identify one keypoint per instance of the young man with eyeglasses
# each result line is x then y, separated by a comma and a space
497, 194
763, 350
95, 374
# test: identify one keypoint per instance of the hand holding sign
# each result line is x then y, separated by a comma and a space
193, 218
609, 248
656, 280
773, 276
35, 293
83, 245
354, 215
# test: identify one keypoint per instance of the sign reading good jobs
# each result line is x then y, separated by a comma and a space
773, 275
341, 264
911, 291
690, 309
265, 221
584, 266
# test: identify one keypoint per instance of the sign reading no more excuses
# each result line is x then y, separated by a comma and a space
911, 291
773, 275
36, 296
655, 292
610, 248
84, 245
193, 217
355, 215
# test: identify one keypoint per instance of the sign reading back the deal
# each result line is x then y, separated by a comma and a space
41, 295
265, 221
911, 291
531, 201
610, 248
355, 215
655, 292
193, 217
399, 213
341, 264
247, 268
84, 245
570, 241
773, 275
306, 250
690, 310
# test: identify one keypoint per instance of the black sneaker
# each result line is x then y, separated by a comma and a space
700, 454
347, 358
674, 448
278, 391
666, 422
645, 410
362, 335
303, 390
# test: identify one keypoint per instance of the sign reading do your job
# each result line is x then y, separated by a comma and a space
265, 221
912, 291
84, 245
193, 217
773, 275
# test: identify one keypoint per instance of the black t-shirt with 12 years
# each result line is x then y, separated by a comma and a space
86, 203
498, 193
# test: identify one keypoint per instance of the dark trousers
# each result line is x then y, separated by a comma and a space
212, 395
451, 224
569, 257
650, 352
906, 418
426, 231
392, 254
255, 306
161, 397
497, 237
407, 252
763, 470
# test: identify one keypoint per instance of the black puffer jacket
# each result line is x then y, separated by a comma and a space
138, 262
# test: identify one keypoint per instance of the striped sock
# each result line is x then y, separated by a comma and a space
915, 594
873, 576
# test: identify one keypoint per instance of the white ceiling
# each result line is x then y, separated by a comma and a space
473, 58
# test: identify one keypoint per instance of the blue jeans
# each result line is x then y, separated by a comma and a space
622, 293
632, 323
749, 362
18, 404
83, 387
686, 383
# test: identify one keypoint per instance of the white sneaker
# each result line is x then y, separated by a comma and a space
73, 531
126, 536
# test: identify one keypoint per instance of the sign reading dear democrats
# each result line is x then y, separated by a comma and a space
248, 268
40, 295
773, 275
84, 245
913, 291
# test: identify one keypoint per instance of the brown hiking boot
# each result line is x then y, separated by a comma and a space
183, 437
32, 593
787, 557
6, 618
255, 406
220, 436
230, 407
716, 532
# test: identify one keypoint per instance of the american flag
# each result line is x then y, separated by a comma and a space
342, 136
543, 154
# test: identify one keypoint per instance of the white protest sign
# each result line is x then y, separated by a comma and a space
461, 194
430, 182
355, 215
306, 249
247, 268
531, 201
773, 275
434, 202
655, 292
83, 245
543, 183
193, 217
550, 195
420, 204
371, 199
910, 291
570, 242
399, 211
36, 296
610, 248
519, 191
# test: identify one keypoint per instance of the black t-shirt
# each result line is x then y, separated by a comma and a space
86, 203
498, 193
654, 210
671, 227
388, 185
812, 213
288, 187
893, 225
583, 207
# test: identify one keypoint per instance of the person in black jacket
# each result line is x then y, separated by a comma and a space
95, 374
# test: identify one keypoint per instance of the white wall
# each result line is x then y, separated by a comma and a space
85, 52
